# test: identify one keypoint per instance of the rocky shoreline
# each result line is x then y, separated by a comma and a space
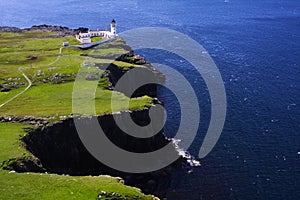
60, 30
31, 120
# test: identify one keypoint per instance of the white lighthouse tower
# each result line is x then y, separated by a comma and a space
113, 27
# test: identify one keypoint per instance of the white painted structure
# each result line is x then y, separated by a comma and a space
86, 38
113, 27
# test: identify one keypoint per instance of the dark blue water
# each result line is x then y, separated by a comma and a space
256, 46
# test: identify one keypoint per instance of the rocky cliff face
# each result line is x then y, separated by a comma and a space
115, 73
146, 71
60, 150
60, 30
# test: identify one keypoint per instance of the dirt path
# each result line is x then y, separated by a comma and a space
29, 81
58, 57
29, 85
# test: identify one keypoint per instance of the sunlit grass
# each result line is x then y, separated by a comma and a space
50, 186
56, 100
37, 55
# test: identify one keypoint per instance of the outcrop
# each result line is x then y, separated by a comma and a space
60, 30
60, 150
57, 148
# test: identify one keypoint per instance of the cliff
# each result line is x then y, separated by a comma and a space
57, 148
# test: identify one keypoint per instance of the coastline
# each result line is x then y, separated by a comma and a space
153, 183
60, 30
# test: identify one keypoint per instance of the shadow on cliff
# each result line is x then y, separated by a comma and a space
58, 149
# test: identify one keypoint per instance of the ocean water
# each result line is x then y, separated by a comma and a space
256, 46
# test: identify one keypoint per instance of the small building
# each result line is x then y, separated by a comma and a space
87, 64
84, 38
65, 44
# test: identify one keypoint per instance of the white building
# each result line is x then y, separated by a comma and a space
86, 38
113, 27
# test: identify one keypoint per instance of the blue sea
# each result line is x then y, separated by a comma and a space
256, 47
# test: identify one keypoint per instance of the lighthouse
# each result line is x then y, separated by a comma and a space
113, 27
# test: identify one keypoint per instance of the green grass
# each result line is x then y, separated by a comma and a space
50, 186
26, 35
17, 49
96, 39
102, 52
46, 99
10, 145
4, 96
126, 66
36, 53
56, 100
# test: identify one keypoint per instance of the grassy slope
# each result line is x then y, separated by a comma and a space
51, 99
47, 99
56, 100
50, 186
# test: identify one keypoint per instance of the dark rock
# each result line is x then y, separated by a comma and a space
23, 164
60, 30
5, 89
31, 57
60, 151
27, 119
81, 30
10, 29
115, 73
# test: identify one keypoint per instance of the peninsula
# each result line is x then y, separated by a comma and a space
41, 155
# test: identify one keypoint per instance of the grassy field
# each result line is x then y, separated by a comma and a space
50, 186
45, 98
4, 96
56, 100
37, 55
96, 39
28, 49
